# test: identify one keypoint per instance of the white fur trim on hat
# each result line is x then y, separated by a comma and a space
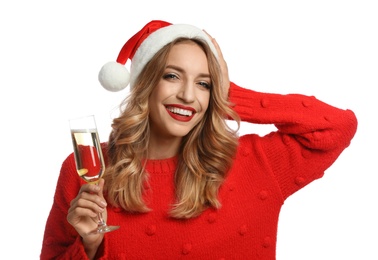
158, 39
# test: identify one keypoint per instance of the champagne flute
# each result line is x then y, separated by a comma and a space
89, 160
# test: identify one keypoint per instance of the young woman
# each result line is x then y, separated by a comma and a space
179, 182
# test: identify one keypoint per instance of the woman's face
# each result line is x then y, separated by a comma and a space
181, 97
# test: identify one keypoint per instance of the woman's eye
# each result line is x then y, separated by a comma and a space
205, 85
170, 76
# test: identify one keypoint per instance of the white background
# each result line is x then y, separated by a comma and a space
51, 52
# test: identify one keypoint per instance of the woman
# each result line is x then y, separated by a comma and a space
179, 181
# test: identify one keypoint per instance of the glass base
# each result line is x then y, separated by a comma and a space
103, 229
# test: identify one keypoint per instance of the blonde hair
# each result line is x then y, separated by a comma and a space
205, 154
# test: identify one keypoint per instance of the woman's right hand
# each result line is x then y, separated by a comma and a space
82, 215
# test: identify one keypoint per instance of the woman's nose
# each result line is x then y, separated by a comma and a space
187, 92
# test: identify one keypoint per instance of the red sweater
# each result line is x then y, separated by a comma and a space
267, 170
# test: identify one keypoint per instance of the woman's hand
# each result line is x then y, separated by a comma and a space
223, 66
82, 215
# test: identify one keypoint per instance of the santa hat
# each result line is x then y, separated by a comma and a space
140, 49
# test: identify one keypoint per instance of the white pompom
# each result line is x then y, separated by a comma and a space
114, 76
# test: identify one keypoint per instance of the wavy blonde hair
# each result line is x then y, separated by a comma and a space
205, 154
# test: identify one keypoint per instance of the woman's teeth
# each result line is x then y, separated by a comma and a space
180, 111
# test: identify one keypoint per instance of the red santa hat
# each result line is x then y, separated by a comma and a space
140, 49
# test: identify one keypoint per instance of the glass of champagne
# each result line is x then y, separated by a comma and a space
89, 160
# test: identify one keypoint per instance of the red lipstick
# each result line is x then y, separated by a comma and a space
180, 112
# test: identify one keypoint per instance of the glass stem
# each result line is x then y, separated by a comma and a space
101, 221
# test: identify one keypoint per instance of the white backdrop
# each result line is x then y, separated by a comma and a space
51, 52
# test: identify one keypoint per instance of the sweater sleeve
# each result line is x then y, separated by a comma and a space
309, 138
61, 241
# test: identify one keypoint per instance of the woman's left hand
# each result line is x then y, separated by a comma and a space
223, 66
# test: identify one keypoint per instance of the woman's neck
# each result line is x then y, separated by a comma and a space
163, 148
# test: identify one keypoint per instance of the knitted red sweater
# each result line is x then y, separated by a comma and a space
310, 137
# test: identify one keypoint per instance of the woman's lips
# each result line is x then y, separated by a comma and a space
180, 113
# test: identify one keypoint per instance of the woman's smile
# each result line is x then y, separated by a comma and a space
180, 113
